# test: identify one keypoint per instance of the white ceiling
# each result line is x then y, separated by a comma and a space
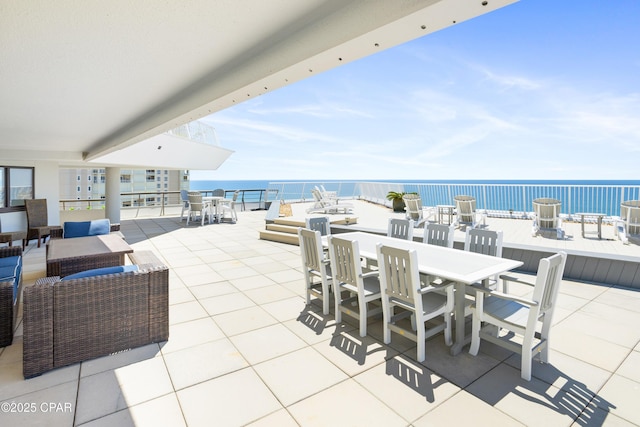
80, 79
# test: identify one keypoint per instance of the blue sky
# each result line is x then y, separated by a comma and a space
541, 89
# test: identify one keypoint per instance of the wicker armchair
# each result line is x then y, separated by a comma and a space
9, 305
38, 221
67, 322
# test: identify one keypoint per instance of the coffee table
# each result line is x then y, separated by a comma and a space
69, 256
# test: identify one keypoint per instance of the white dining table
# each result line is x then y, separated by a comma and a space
213, 202
462, 267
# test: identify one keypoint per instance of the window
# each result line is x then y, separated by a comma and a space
78, 178
16, 185
78, 188
89, 188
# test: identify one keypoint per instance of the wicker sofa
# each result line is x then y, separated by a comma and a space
70, 321
10, 288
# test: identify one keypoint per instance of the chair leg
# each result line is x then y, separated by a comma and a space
475, 336
421, 344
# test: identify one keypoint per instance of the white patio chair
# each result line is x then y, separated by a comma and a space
197, 208
466, 212
485, 242
321, 224
363, 288
227, 206
400, 286
400, 228
184, 201
326, 206
438, 234
546, 215
629, 221
519, 315
415, 211
317, 273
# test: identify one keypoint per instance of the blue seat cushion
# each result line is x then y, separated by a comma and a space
102, 271
10, 270
86, 228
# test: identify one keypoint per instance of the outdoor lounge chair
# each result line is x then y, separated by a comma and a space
547, 216
327, 206
520, 315
415, 211
466, 212
629, 222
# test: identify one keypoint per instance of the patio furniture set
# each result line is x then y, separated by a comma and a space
91, 303
214, 208
414, 284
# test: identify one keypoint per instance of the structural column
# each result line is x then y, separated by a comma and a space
112, 195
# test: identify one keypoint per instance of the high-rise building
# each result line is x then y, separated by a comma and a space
86, 184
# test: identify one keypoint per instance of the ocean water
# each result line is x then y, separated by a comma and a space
598, 196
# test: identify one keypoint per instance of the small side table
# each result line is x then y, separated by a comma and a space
599, 217
445, 212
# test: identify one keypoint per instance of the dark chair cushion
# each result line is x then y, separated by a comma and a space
86, 228
101, 271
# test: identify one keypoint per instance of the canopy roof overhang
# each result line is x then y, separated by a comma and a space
86, 81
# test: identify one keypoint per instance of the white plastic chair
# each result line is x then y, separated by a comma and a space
400, 228
520, 315
439, 235
363, 288
315, 267
415, 210
184, 201
229, 207
400, 286
466, 212
321, 224
485, 242
629, 222
547, 216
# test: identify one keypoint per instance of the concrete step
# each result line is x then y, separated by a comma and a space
277, 236
283, 228
289, 222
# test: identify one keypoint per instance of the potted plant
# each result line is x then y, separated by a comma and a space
396, 200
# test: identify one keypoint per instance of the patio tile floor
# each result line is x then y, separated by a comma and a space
244, 349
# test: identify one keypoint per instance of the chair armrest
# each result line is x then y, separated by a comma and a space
482, 290
515, 279
370, 274
431, 288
